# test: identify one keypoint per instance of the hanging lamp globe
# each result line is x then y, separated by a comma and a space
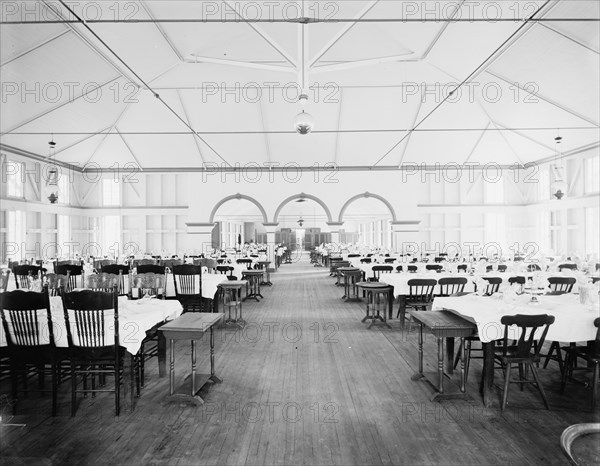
304, 123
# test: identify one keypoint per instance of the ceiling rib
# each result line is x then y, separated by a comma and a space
35, 47
490, 59
162, 31
243, 64
81, 140
572, 39
187, 117
366, 62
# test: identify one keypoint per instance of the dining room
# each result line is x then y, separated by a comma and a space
300, 232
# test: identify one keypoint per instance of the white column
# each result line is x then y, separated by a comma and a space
200, 237
271, 228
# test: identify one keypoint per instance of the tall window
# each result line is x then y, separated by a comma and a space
64, 189
64, 234
111, 192
543, 230
592, 168
494, 192
544, 184
592, 230
15, 233
495, 232
111, 236
13, 174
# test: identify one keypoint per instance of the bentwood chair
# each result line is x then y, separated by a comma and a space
92, 322
591, 354
74, 274
23, 273
525, 353
122, 271
563, 284
419, 298
27, 323
188, 286
451, 285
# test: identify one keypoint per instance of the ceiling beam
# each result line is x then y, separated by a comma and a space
81, 140
367, 62
342, 32
414, 121
572, 39
162, 31
35, 47
187, 117
196, 60
441, 31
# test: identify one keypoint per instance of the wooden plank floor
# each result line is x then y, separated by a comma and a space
303, 383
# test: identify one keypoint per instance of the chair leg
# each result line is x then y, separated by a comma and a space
567, 367
54, 388
14, 385
73, 390
467, 358
539, 385
458, 353
595, 384
521, 376
554, 347
506, 385
117, 388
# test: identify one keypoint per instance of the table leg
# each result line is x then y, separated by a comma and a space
463, 355
391, 302
488, 373
449, 355
127, 402
162, 355
193, 368
172, 367
213, 377
440, 343
419, 374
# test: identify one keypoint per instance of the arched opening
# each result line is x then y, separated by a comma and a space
302, 223
367, 222
238, 221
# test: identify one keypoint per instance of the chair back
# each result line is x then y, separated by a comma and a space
92, 318
170, 263
389, 260
4, 277
533, 268
399, 268
567, 266
452, 285
462, 267
436, 267
122, 271
56, 283
224, 269
528, 334
74, 274
502, 268
564, 284
99, 263
150, 268
138, 262
350, 256
518, 279
102, 281
379, 269
23, 272
489, 268
365, 260
26, 318
420, 291
247, 262
187, 279
412, 268
148, 283
493, 285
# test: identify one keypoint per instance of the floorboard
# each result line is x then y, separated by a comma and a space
304, 382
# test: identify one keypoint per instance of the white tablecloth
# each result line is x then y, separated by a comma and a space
573, 321
135, 318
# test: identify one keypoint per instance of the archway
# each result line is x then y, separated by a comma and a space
302, 196
366, 195
238, 223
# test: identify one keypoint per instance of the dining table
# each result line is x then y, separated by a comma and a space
574, 321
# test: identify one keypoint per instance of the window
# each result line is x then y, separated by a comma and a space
13, 174
111, 193
63, 236
111, 236
544, 184
592, 168
494, 191
64, 189
592, 230
15, 233
495, 233
543, 231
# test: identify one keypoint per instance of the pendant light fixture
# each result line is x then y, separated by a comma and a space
559, 186
52, 173
303, 122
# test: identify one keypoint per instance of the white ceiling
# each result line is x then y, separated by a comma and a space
371, 108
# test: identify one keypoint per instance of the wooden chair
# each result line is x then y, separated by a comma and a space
525, 353
502, 268
399, 268
150, 268
122, 271
563, 284
462, 267
388, 260
27, 323
92, 321
226, 270
489, 268
247, 262
188, 286
436, 267
412, 268
534, 268
591, 354
56, 283
23, 273
452, 285
365, 260
138, 262
567, 266
99, 263
420, 297
378, 270
519, 279
102, 282
74, 274
493, 285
